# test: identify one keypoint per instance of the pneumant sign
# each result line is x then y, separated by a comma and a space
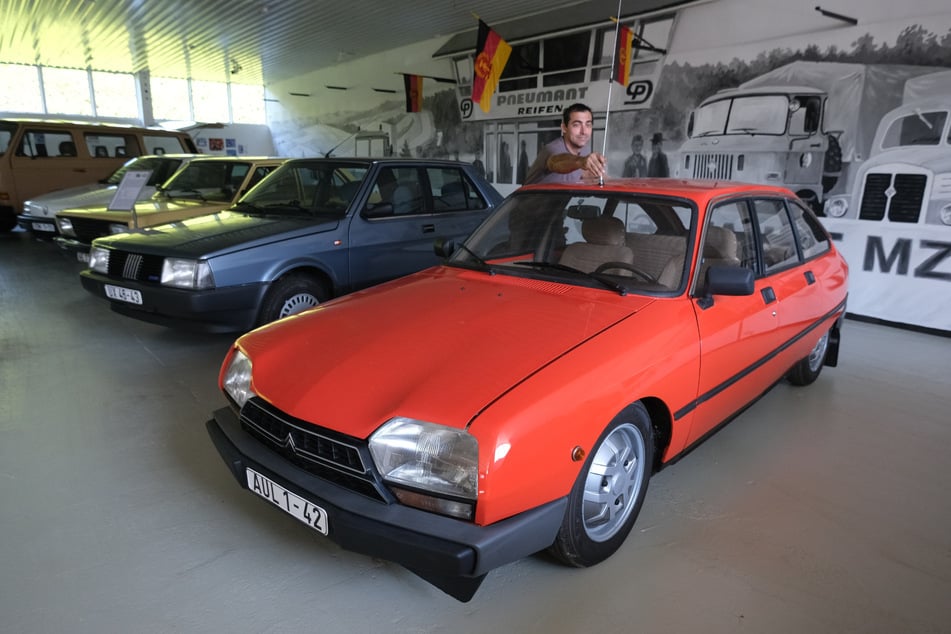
543, 102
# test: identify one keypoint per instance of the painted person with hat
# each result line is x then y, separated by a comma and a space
657, 165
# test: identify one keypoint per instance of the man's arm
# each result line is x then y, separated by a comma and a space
593, 164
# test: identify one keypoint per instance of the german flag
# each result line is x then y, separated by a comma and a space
414, 92
492, 53
625, 46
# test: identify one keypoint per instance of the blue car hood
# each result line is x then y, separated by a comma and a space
217, 234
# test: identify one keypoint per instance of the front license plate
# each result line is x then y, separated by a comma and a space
123, 294
308, 513
43, 226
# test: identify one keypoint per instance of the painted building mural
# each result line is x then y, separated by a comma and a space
856, 119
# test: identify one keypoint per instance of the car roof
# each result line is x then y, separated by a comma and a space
682, 188
388, 160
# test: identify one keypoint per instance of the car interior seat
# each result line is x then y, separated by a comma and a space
604, 242
101, 151
67, 148
453, 195
719, 249
405, 200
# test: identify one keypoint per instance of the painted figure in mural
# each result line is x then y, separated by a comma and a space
479, 165
568, 158
505, 164
522, 163
635, 166
657, 166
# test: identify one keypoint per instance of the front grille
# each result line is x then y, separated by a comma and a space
326, 454
133, 266
713, 166
898, 196
88, 229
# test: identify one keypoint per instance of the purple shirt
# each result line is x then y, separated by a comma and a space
539, 172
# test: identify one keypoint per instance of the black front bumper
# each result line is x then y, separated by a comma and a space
453, 555
38, 226
227, 309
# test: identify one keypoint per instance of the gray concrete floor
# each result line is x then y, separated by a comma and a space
820, 509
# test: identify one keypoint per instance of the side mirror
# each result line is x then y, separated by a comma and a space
729, 280
444, 247
378, 210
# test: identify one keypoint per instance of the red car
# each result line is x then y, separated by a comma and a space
520, 396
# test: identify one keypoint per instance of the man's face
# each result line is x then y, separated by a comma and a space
578, 131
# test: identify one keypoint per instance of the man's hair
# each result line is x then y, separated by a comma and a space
575, 107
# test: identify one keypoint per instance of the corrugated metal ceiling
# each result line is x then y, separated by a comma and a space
268, 40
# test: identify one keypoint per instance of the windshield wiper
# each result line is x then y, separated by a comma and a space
554, 266
248, 208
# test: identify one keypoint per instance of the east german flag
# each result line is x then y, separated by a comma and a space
414, 92
625, 45
492, 52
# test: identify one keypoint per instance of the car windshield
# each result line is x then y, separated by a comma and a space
318, 187
211, 181
160, 166
626, 241
761, 114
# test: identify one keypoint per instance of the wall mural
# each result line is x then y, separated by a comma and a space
862, 132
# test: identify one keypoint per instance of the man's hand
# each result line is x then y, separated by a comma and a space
594, 165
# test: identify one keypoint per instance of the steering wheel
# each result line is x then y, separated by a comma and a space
647, 277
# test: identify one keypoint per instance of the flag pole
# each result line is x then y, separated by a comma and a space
607, 110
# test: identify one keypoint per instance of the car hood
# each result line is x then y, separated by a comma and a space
215, 234
439, 345
145, 207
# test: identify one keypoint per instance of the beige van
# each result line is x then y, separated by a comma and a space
39, 156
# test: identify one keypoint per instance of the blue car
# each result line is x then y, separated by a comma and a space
311, 230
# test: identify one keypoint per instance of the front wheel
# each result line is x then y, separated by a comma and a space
807, 370
291, 295
609, 491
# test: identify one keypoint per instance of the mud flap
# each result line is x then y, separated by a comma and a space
459, 588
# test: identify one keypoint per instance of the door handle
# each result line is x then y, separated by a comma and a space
769, 295
429, 228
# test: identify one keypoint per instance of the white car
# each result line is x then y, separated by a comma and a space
39, 213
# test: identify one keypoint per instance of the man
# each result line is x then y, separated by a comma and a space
657, 166
636, 165
568, 159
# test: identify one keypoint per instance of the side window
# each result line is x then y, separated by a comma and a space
156, 144
259, 173
722, 244
452, 191
43, 143
776, 235
396, 192
108, 145
812, 237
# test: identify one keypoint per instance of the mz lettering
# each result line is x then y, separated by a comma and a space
901, 255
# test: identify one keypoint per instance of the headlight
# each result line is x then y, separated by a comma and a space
115, 228
65, 226
236, 381
945, 214
805, 160
99, 259
836, 207
428, 459
184, 273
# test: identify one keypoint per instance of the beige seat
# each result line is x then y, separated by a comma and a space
604, 242
719, 249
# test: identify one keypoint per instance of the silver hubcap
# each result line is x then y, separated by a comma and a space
613, 482
818, 354
296, 303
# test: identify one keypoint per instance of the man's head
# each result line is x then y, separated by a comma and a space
637, 143
577, 122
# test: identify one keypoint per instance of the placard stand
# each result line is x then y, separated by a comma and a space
128, 192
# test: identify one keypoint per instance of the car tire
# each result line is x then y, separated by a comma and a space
807, 370
607, 496
290, 295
